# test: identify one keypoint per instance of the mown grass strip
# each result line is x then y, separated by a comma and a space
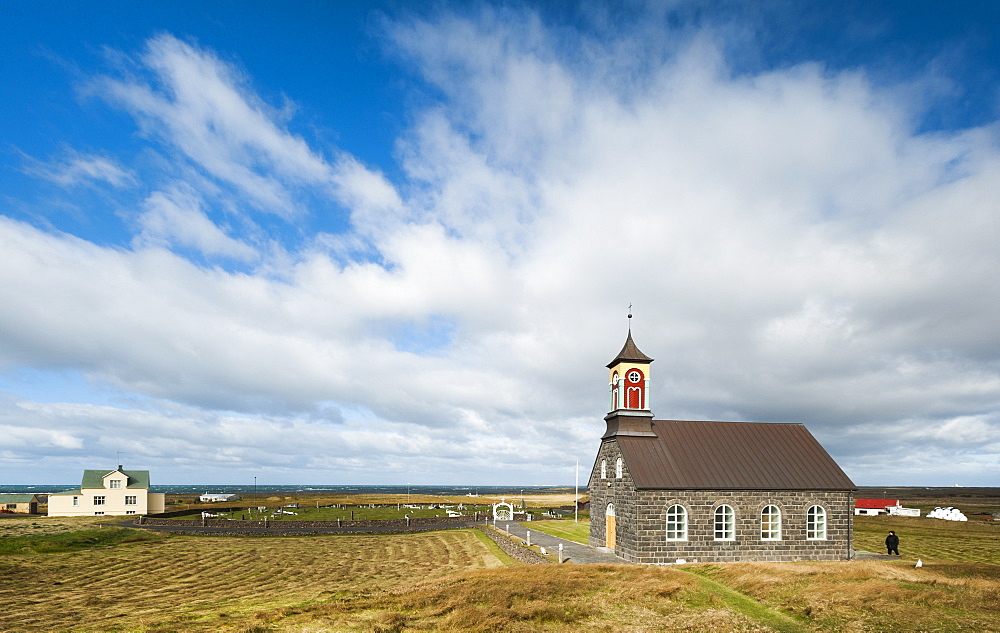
747, 606
183, 584
501, 555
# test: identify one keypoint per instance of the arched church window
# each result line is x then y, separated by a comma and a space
676, 523
615, 402
604, 469
816, 523
770, 524
725, 523
618, 468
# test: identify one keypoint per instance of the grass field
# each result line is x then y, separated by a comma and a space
871, 596
202, 583
11, 526
70, 574
578, 532
932, 539
59, 542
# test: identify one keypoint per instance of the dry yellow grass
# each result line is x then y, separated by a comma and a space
789, 598
526, 598
204, 583
551, 500
451, 581
873, 595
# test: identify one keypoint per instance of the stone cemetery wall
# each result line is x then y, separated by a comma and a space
514, 549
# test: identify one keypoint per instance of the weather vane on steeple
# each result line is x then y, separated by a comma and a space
630, 317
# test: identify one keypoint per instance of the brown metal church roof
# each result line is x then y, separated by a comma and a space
630, 353
688, 455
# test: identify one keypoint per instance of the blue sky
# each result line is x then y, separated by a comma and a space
380, 242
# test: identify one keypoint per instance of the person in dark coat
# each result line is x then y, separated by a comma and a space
892, 543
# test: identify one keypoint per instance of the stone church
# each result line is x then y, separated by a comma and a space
663, 491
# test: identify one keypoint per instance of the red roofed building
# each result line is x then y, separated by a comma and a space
873, 506
669, 490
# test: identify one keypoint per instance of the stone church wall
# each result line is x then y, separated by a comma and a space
641, 521
651, 545
612, 490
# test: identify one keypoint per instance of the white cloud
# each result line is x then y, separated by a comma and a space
205, 108
175, 217
794, 248
376, 207
82, 169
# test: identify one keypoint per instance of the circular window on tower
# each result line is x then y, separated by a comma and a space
633, 376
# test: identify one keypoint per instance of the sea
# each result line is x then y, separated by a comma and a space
275, 489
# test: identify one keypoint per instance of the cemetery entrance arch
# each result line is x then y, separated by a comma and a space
503, 511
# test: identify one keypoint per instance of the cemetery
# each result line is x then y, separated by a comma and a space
304, 515
319, 511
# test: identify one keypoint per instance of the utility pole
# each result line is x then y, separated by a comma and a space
576, 495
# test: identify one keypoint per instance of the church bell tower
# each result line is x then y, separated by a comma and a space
629, 390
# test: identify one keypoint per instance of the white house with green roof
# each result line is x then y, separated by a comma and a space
116, 493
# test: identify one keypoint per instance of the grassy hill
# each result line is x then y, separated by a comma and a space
70, 574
